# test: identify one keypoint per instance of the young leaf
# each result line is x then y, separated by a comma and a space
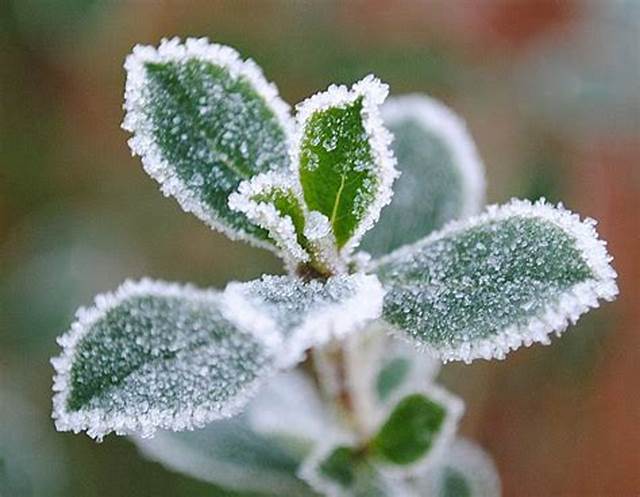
300, 314
417, 429
343, 158
442, 175
465, 470
380, 369
339, 470
271, 201
488, 285
229, 454
155, 355
203, 120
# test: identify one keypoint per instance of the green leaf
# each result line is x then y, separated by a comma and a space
272, 201
465, 470
417, 428
442, 176
230, 454
293, 315
155, 355
392, 375
203, 120
342, 471
495, 282
343, 159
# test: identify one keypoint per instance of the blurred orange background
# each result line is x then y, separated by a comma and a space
549, 89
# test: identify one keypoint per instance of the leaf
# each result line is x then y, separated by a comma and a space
271, 201
155, 355
401, 369
229, 454
442, 176
509, 277
302, 314
290, 408
339, 470
343, 159
203, 120
417, 429
379, 370
464, 471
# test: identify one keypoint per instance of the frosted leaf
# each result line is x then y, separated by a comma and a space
155, 355
379, 369
295, 315
230, 454
442, 175
203, 120
485, 286
401, 369
322, 243
273, 201
289, 406
342, 157
416, 430
465, 470
337, 469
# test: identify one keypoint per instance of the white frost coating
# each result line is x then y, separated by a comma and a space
373, 94
439, 119
202, 462
326, 317
558, 315
97, 422
318, 231
289, 404
454, 407
471, 461
308, 470
265, 214
143, 143
385, 484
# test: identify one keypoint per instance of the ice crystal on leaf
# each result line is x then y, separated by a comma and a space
157, 355
442, 176
203, 120
343, 159
362, 416
509, 277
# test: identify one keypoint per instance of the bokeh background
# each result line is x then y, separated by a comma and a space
550, 90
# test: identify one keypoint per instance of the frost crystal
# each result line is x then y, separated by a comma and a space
154, 355
274, 202
342, 156
301, 315
203, 120
509, 277
442, 175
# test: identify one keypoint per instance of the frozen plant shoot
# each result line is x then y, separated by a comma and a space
322, 381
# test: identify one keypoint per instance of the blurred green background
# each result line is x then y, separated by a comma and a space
550, 92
